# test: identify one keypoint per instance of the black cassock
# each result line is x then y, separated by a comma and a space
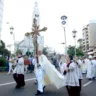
19, 78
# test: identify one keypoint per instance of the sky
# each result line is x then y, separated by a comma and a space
19, 15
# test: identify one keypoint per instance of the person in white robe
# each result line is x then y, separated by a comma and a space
45, 76
11, 61
62, 65
79, 72
18, 73
72, 82
89, 68
93, 68
83, 67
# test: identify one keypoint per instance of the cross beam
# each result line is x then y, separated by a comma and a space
35, 33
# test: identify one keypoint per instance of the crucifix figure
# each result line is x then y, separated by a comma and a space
35, 34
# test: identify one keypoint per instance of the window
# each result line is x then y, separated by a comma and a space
87, 42
87, 38
36, 15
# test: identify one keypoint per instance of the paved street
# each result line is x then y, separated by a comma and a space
7, 87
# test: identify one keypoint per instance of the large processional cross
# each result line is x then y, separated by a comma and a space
35, 33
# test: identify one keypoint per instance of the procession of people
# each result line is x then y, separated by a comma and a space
69, 74
65, 71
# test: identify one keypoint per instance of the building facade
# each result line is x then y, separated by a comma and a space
89, 38
25, 45
85, 40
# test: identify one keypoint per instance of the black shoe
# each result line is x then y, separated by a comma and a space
44, 88
22, 85
38, 93
17, 87
93, 78
90, 79
36, 83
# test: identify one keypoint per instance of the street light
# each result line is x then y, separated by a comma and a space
64, 19
74, 36
12, 33
0, 38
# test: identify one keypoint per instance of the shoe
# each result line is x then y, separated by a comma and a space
36, 83
22, 85
17, 87
38, 93
90, 78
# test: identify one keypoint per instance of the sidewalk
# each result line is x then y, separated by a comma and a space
3, 72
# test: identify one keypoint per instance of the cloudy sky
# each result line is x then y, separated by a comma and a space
19, 14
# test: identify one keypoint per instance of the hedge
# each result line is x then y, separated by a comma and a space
3, 62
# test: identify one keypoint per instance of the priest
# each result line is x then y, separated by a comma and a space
45, 76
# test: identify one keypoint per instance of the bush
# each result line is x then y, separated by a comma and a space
2, 62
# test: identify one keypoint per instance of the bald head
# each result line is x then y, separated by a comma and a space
40, 53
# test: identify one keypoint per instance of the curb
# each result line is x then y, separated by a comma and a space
3, 72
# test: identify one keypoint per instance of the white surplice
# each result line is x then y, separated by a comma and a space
71, 76
19, 69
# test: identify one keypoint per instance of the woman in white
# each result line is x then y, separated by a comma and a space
10, 65
18, 73
71, 79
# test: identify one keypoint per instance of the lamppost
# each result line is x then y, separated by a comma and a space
64, 19
74, 36
13, 33
0, 38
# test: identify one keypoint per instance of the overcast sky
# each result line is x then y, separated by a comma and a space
19, 14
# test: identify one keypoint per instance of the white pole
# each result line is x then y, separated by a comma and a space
65, 42
75, 46
14, 43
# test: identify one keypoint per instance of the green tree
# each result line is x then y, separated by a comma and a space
3, 50
71, 51
28, 53
79, 52
45, 52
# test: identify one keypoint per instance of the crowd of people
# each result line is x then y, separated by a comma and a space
72, 69
28, 64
